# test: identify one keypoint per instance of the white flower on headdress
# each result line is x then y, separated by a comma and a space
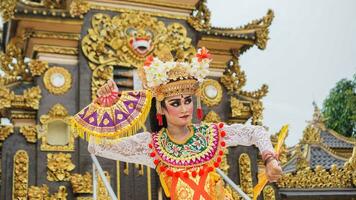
200, 69
156, 73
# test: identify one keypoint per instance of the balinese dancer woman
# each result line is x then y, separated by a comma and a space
184, 155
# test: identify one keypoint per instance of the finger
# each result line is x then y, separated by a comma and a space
107, 90
111, 84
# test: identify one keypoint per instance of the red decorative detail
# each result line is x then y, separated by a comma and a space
156, 162
216, 164
223, 143
162, 168
185, 175
150, 145
152, 154
223, 133
221, 125
219, 159
203, 54
201, 172
210, 169
159, 119
177, 174
200, 113
221, 153
169, 173
148, 61
194, 173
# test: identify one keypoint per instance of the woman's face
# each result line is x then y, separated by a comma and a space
179, 110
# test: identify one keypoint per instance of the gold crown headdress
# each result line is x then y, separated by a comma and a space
169, 78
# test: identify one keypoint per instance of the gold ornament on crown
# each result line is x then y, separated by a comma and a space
127, 39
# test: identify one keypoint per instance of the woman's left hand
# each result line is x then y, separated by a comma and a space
273, 171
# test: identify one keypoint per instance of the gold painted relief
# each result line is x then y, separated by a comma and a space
20, 175
59, 167
57, 80
127, 39
245, 174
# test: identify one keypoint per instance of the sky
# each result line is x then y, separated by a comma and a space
312, 46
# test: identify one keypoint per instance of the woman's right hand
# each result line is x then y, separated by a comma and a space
107, 94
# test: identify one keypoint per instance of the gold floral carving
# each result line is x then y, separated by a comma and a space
318, 178
261, 27
30, 133
20, 175
245, 174
268, 193
224, 162
50, 4
12, 61
55, 49
302, 162
57, 71
59, 167
7, 9
38, 67
58, 113
6, 96
30, 98
216, 95
42, 193
5, 131
237, 107
212, 117
233, 78
127, 39
79, 8
258, 94
102, 191
311, 135
257, 112
82, 183
200, 17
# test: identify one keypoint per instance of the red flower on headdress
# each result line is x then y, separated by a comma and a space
203, 54
148, 61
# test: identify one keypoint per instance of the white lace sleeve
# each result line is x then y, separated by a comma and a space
133, 149
247, 135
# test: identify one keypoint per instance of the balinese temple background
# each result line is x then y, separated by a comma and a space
55, 55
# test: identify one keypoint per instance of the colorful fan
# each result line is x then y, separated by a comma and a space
262, 177
120, 120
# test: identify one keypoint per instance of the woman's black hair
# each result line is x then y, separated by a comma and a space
153, 119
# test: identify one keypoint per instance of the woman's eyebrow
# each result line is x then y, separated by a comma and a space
188, 97
173, 100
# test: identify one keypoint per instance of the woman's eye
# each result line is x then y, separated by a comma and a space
175, 104
188, 101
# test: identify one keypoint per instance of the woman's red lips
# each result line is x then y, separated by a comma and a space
184, 116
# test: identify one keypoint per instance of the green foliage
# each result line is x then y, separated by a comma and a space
339, 108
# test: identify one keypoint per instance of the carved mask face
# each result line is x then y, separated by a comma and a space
140, 41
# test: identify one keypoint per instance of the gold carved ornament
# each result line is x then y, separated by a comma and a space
5, 131
127, 39
82, 183
311, 135
79, 8
49, 4
246, 174
42, 192
237, 107
30, 133
261, 27
59, 167
268, 193
212, 117
257, 112
7, 9
20, 175
38, 67
200, 17
30, 98
57, 80
57, 114
211, 92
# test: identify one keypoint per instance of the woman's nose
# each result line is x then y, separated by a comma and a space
183, 109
